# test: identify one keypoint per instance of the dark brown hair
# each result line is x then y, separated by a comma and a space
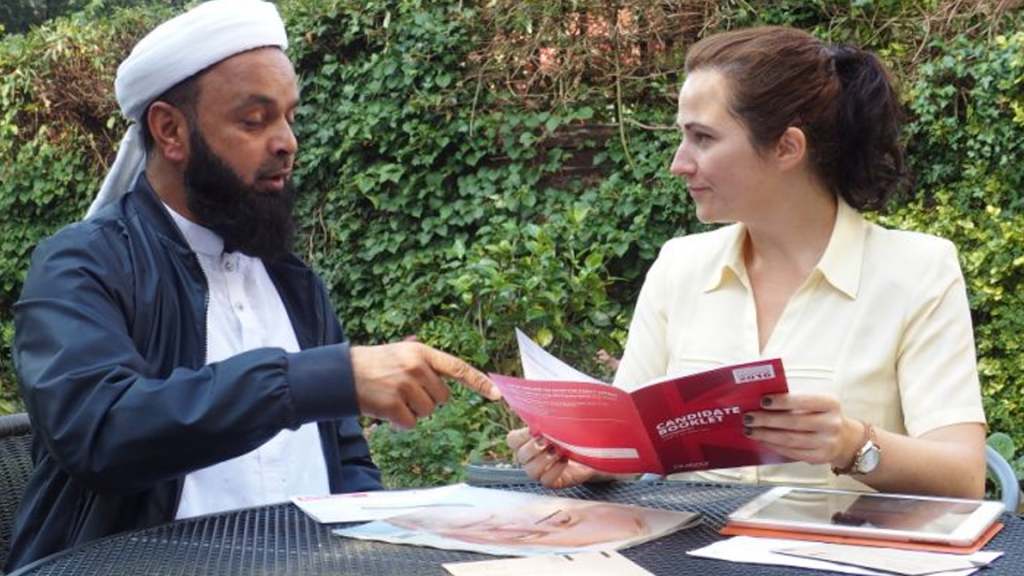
842, 97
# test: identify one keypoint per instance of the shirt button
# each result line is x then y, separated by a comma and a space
229, 266
239, 307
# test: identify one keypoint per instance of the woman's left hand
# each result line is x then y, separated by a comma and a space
806, 427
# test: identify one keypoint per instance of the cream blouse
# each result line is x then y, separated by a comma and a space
882, 323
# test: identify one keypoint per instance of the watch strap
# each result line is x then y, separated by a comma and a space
868, 440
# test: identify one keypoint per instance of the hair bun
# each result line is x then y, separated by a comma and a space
845, 52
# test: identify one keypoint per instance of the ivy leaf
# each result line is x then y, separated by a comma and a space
1003, 444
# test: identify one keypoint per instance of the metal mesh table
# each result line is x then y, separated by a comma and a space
282, 540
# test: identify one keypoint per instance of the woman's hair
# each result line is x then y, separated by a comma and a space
842, 98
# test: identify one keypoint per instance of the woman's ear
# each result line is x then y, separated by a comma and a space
791, 148
169, 128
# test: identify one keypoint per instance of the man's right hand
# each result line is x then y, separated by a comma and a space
401, 382
541, 462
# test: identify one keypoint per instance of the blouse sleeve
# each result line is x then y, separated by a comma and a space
646, 354
936, 363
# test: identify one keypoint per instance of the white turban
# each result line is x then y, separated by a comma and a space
175, 51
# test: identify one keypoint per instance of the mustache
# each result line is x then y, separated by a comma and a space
274, 167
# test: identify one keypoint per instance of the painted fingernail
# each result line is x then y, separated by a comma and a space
766, 401
748, 419
747, 430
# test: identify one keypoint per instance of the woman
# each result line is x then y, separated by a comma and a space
787, 138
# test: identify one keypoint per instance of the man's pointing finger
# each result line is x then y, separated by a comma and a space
452, 367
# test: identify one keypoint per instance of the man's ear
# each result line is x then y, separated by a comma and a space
169, 128
791, 149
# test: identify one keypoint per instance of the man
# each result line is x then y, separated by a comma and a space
174, 357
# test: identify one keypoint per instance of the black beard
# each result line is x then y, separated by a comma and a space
255, 223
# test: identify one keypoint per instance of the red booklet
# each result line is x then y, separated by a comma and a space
678, 424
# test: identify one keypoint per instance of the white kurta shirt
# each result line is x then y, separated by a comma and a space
245, 312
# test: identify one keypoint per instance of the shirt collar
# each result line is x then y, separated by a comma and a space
201, 240
840, 264
842, 260
730, 260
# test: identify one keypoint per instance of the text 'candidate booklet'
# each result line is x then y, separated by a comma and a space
675, 424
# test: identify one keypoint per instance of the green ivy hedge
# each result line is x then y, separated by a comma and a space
967, 141
467, 167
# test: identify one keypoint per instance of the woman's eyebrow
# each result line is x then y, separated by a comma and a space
548, 517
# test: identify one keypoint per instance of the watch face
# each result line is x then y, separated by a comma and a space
869, 458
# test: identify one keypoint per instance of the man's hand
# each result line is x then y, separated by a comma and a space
402, 382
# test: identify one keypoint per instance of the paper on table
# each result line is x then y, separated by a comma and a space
539, 364
909, 562
593, 564
509, 523
365, 506
752, 550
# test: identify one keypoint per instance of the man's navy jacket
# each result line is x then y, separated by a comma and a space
109, 347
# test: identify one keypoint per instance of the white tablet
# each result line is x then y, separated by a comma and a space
869, 515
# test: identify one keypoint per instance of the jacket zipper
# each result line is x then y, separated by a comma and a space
206, 310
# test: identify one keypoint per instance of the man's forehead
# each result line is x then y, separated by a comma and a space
258, 60
261, 75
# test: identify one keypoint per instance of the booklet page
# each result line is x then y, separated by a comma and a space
539, 364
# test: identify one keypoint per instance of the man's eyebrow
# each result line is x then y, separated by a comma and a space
255, 99
262, 100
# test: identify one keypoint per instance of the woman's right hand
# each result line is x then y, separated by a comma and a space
541, 461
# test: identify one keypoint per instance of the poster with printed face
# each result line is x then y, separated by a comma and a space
504, 523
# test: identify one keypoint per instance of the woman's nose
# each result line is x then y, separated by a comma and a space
683, 165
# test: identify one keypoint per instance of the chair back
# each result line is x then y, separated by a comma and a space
1006, 479
15, 468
